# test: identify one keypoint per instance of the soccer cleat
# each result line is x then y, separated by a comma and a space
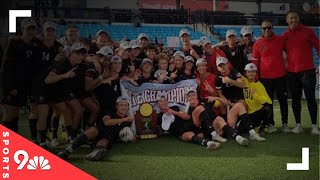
315, 131
285, 128
211, 145
271, 129
54, 142
297, 129
97, 154
218, 138
64, 154
242, 141
256, 137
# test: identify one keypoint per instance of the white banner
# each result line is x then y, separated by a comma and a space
150, 92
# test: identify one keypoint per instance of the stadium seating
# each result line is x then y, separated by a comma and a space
118, 31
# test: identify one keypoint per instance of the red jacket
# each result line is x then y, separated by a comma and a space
269, 53
299, 43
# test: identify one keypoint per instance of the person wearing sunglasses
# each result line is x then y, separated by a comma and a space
299, 43
268, 56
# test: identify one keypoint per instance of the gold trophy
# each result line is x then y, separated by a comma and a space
146, 122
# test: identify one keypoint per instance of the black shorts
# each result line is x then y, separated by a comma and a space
111, 133
18, 100
188, 126
257, 117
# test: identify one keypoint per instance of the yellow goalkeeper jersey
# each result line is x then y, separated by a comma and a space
260, 96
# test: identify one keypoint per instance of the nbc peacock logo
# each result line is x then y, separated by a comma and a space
37, 162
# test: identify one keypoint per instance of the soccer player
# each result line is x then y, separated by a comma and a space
211, 54
299, 43
105, 133
71, 36
208, 122
187, 48
102, 38
268, 56
177, 74
234, 52
17, 68
228, 82
64, 83
247, 40
171, 118
146, 68
257, 98
50, 52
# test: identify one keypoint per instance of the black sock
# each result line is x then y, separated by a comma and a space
42, 136
55, 126
74, 133
79, 141
231, 132
15, 124
246, 121
69, 131
33, 128
199, 140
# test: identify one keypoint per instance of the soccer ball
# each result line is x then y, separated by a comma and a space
126, 134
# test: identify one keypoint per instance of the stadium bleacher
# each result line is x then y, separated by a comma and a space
118, 31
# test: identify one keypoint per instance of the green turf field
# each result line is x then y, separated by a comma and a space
170, 158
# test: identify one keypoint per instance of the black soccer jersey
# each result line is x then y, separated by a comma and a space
228, 90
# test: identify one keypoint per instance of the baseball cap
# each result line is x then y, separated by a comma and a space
201, 60
146, 60
204, 40
231, 32
105, 51
246, 30
134, 44
192, 89
221, 60
125, 45
25, 23
142, 35
179, 53
122, 98
77, 47
184, 31
158, 72
50, 24
102, 31
160, 96
188, 58
250, 67
116, 58
167, 120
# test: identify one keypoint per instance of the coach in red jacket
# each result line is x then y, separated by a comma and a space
299, 42
267, 55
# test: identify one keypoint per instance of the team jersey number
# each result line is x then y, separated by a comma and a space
247, 94
45, 56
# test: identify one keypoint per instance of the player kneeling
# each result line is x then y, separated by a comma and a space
112, 127
257, 99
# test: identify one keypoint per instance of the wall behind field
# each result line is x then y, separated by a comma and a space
252, 7
114, 4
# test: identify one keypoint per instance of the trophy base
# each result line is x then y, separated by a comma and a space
148, 136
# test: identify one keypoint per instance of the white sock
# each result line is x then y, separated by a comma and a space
298, 124
238, 137
252, 132
314, 126
214, 133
